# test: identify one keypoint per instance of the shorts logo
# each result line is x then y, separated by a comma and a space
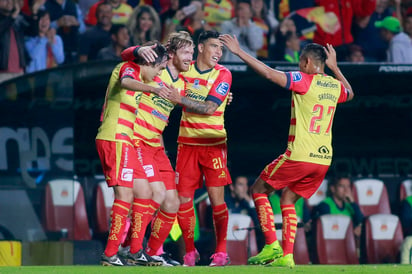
222, 88
296, 76
127, 174
148, 169
177, 178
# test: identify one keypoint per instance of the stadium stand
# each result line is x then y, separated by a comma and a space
405, 189
319, 195
335, 241
104, 202
383, 238
371, 196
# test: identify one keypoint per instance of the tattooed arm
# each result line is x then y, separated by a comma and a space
200, 107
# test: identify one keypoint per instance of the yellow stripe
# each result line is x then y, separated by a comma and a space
258, 198
185, 211
277, 166
121, 206
220, 212
288, 207
139, 204
168, 217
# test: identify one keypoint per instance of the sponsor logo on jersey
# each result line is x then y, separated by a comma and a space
148, 169
159, 115
127, 174
296, 76
222, 88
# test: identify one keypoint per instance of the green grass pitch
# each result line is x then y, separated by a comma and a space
325, 269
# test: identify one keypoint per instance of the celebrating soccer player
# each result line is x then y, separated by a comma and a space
301, 169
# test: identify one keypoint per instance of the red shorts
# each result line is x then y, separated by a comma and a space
156, 164
119, 162
195, 161
303, 178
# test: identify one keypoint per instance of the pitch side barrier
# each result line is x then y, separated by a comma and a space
49, 121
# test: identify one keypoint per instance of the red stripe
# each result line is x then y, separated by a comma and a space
148, 126
217, 113
153, 140
128, 108
123, 137
291, 138
124, 122
202, 141
150, 110
200, 125
129, 92
288, 152
293, 121
202, 82
293, 103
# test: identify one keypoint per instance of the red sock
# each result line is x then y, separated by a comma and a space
265, 216
187, 221
142, 212
120, 210
161, 226
220, 222
290, 222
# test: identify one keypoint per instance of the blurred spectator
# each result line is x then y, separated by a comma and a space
97, 37
121, 12
218, 11
239, 201
355, 54
46, 48
345, 10
292, 48
144, 25
120, 41
66, 18
278, 52
407, 22
400, 44
265, 20
249, 35
340, 200
367, 35
169, 17
13, 57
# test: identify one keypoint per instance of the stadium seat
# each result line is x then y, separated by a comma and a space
406, 189
384, 237
300, 248
241, 239
104, 202
319, 195
65, 209
335, 242
372, 196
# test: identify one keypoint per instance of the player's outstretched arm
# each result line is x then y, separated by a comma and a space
200, 107
333, 65
132, 84
273, 75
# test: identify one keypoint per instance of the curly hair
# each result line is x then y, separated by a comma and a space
177, 40
134, 28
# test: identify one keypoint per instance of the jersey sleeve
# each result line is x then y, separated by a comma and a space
130, 70
343, 94
220, 88
298, 82
130, 53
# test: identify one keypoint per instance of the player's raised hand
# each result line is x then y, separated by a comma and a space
147, 52
331, 54
230, 42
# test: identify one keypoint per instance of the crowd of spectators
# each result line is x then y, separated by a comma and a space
41, 34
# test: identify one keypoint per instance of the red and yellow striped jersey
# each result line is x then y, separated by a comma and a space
314, 101
120, 106
214, 85
153, 111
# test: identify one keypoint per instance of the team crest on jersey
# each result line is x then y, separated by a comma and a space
128, 71
196, 84
222, 88
296, 76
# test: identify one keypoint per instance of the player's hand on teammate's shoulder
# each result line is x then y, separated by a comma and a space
230, 42
331, 56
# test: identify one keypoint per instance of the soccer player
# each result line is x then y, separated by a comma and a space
202, 150
120, 163
152, 118
301, 169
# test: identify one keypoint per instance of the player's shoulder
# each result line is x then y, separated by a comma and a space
222, 70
